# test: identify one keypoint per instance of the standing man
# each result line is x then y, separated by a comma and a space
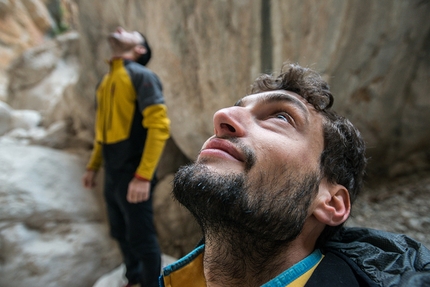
272, 186
131, 129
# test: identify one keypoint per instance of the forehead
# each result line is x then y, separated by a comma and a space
137, 35
276, 96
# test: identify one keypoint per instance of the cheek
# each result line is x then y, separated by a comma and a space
297, 157
309, 159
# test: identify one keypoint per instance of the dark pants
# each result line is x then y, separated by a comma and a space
132, 225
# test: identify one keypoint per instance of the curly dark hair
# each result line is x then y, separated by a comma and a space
343, 159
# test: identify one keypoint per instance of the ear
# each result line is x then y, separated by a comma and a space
333, 204
140, 50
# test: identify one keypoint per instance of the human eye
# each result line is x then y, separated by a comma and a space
284, 116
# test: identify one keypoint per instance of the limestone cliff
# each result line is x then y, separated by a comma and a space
374, 54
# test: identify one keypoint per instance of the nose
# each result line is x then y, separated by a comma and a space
119, 29
230, 122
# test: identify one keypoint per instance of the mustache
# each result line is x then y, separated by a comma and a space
249, 154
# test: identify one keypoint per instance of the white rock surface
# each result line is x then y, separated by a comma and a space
25, 119
52, 232
116, 277
43, 76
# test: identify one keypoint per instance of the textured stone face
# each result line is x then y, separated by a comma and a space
208, 55
19, 31
375, 56
52, 229
205, 52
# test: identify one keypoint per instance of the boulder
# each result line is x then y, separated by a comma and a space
52, 231
23, 24
41, 78
25, 119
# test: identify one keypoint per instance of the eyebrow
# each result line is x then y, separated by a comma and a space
279, 97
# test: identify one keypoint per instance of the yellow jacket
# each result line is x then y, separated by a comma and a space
131, 125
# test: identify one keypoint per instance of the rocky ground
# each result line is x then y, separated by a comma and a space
401, 206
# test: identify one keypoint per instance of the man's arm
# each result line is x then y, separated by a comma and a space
89, 177
157, 123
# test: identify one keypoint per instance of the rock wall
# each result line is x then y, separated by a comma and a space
376, 57
374, 54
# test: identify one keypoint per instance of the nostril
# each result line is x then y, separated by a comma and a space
229, 127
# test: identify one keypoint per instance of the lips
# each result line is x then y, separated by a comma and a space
225, 146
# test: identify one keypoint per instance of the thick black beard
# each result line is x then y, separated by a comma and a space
234, 207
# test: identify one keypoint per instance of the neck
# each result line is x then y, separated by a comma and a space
246, 260
129, 55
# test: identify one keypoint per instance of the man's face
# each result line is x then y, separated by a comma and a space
260, 171
280, 128
121, 40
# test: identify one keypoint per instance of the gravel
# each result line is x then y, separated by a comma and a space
401, 206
